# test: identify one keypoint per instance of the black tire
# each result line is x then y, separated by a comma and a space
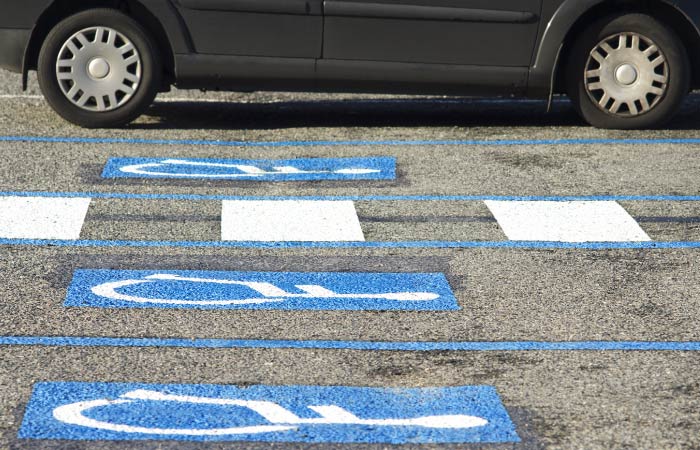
141, 99
669, 44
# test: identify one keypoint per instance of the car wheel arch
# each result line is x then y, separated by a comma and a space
573, 16
60, 9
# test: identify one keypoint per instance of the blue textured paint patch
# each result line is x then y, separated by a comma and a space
330, 414
302, 169
260, 290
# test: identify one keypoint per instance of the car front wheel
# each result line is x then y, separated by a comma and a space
99, 68
628, 72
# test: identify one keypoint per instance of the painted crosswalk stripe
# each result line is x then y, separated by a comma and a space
574, 221
322, 414
299, 169
42, 217
295, 220
190, 289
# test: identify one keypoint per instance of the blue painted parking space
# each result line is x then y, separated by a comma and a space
322, 414
301, 169
260, 290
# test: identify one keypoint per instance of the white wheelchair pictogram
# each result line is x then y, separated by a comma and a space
279, 418
267, 292
237, 170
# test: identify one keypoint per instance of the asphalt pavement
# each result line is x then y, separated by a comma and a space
587, 345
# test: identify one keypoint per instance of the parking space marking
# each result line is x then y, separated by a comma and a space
300, 169
290, 220
356, 143
323, 414
401, 346
260, 290
42, 217
588, 222
566, 221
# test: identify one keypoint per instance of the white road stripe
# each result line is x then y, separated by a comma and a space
290, 220
576, 221
42, 217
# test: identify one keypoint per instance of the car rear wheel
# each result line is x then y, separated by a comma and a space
99, 68
628, 72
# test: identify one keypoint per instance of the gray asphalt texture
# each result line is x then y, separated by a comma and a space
558, 400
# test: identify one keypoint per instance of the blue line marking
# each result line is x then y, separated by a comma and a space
300, 169
328, 414
195, 197
465, 198
358, 244
407, 346
353, 143
188, 289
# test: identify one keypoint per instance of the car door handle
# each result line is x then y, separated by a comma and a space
416, 12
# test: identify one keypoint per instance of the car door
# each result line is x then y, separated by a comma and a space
464, 32
269, 28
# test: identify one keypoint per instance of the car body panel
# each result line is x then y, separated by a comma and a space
469, 47
464, 32
245, 73
24, 16
414, 78
14, 42
276, 28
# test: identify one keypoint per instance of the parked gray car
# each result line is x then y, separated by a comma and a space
100, 63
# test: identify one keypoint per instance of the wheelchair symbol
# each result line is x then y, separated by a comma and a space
279, 418
238, 170
268, 292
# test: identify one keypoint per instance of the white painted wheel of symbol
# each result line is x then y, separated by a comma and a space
244, 170
281, 418
270, 293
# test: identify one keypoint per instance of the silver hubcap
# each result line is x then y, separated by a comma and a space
98, 69
626, 75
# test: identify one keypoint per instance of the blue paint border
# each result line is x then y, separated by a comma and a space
360, 244
408, 346
353, 143
465, 198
